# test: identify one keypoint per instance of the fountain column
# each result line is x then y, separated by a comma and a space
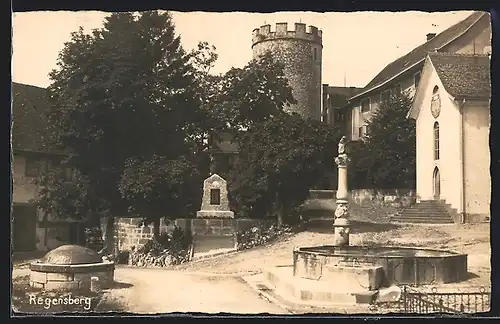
341, 225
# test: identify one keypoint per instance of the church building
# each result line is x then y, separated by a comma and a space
452, 112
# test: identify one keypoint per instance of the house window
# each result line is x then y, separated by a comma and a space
365, 105
398, 89
436, 141
33, 167
385, 96
214, 196
416, 79
362, 131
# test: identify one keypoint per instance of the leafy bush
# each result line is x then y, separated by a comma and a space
93, 238
260, 234
169, 248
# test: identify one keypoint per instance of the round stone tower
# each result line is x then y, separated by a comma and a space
301, 53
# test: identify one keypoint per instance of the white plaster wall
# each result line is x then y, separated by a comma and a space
23, 192
449, 132
358, 118
23, 188
477, 157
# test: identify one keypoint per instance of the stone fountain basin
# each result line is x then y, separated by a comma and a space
70, 276
401, 265
70, 267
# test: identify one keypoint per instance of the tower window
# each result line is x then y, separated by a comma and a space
315, 54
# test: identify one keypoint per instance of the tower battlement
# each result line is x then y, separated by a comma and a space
281, 31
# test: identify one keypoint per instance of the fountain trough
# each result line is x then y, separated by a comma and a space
342, 273
71, 267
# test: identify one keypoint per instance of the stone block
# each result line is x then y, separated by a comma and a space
215, 230
365, 297
389, 294
135, 221
37, 276
84, 285
310, 267
214, 222
83, 276
366, 277
37, 285
199, 222
227, 231
209, 243
59, 276
215, 214
229, 222
64, 285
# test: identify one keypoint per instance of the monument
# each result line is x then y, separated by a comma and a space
214, 228
215, 203
341, 226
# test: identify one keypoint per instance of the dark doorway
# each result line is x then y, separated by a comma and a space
24, 228
437, 184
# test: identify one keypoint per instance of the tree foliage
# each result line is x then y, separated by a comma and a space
280, 160
249, 95
136, 110
123, 99
386, 158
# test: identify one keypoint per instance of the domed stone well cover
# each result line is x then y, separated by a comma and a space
72, 254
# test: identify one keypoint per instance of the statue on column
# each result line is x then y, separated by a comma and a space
341, 224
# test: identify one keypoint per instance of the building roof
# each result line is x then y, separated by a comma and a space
464, 75
29, 124
420, 53
343, 91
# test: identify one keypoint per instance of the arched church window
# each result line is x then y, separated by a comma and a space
436, 141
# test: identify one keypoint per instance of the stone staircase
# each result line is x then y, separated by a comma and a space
426, 212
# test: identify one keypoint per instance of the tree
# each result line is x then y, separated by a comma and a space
123, 98
387, 157
250, 95
280, 160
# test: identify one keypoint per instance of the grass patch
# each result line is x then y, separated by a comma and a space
26, 299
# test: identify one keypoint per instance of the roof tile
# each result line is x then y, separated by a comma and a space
464, 75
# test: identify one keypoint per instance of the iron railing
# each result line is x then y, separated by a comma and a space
413, 301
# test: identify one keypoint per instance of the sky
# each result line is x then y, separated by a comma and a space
356, 45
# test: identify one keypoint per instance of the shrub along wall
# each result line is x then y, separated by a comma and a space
129, 232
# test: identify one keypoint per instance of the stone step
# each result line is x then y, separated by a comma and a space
422, 217
425, 215
422, 221
314, 292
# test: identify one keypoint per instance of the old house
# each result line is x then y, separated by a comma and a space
452, 112
31, 229
470, 36
334, 99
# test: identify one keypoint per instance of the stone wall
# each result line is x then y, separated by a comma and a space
365, 204
129, 232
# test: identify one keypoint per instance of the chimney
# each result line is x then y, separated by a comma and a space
430, 36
